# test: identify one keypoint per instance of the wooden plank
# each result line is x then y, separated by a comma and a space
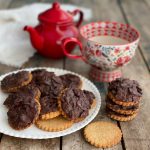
137, 132
13, 143
137, 14
147, 3
3, 68
100, 12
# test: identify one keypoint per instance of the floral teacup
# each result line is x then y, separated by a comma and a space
106, 46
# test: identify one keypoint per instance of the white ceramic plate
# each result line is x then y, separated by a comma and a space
33, 132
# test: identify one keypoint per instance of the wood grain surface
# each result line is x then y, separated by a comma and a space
136, 133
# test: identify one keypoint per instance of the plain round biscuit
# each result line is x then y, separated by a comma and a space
54, 125
102, 134
50, 115
122, 118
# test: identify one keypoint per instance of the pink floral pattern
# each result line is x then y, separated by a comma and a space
109, 57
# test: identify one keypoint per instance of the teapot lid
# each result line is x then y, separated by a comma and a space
55, 15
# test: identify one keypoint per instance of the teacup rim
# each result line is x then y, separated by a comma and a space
113, 22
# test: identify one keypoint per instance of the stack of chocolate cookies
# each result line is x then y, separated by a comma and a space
123, 99
51, 102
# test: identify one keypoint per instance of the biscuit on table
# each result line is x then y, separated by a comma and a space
102, 134
120, 117
125, 92
127, 110
15, 81
121, 102
54, 125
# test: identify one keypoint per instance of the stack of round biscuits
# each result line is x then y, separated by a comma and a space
52, 102
123, 99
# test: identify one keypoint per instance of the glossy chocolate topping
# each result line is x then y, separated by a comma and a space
48, 83
15, 79
115, 106
22, 95
125, 89
70, 81
48, 105
41, 76
75, 104
90, 96
23, 113
53, 89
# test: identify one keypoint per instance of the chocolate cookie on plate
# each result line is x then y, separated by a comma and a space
90, 97
71, 81
74, 104
23, 113
49, 108
21, 94
15, 81
52, 88
41, 76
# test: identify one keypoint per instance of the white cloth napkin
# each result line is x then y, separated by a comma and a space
15, 47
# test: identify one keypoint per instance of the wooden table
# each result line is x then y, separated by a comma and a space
136, 133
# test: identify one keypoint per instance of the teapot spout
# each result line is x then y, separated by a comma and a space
36, 39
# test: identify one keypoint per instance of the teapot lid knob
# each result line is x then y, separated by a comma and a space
56, 5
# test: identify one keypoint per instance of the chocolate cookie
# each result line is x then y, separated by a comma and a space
24, 113
21, 95
125, 92
120, 117
90, 97
71, 81
41, 76
15, 81
53, 89
127, 110
74, 104
48, 83
49, 108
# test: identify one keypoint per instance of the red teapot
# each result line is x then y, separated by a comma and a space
55, 25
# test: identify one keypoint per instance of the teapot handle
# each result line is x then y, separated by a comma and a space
75, 12
69, 41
